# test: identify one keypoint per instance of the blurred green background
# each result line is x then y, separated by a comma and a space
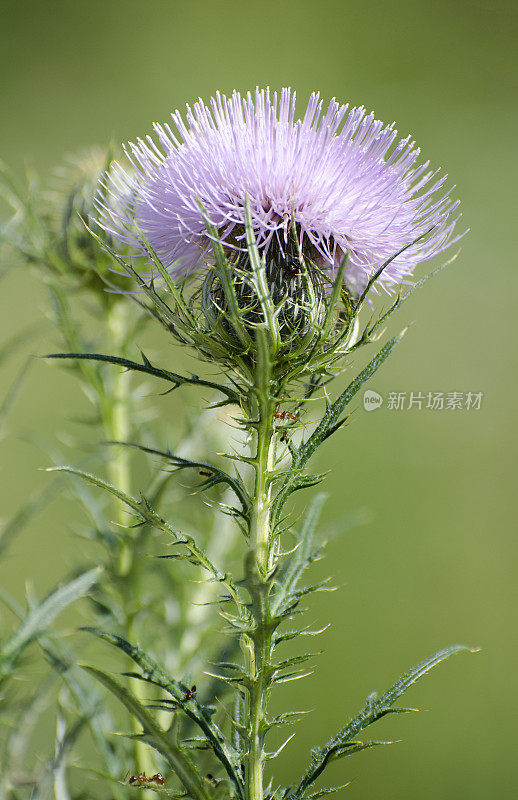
437, 563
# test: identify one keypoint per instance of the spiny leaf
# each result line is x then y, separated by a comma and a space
293, 634
326, 791
173, 289
293, 660
181, 694
214, 475
156, 737
335, 410
147, 514
293, 676
149, 369
288, 579
375, 708
356, 747
329, 422
306, 481
294, 598
334, 298
286, 718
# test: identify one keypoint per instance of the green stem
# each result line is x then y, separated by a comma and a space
259, 542
258, 644
117, 425
116, 420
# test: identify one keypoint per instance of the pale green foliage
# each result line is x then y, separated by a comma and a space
38, 619
136, 592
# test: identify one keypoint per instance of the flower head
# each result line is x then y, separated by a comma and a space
338, 174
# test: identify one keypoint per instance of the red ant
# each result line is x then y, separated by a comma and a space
157, 778
285, 415
190, 694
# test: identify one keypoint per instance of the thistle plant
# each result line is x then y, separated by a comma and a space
260, 243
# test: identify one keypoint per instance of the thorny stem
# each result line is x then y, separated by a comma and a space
257, 645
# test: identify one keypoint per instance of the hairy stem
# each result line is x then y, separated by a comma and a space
257, 644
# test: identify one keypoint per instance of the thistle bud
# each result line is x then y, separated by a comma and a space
296, 289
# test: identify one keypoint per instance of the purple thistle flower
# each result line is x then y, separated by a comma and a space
339, 173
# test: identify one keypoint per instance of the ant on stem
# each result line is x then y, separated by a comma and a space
285, 415
190, 694
157, 778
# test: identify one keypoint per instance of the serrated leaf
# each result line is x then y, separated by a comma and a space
179, 691
329, 423
156, 737
287, 718
214, 475
149, 515
327, 790
146, 367
375, 708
